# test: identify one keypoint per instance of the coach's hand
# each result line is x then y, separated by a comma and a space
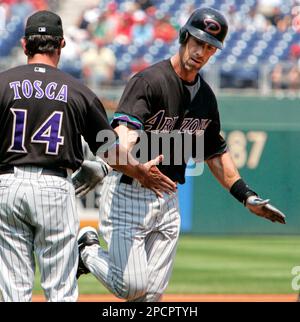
88, 176
156, 181
264, 209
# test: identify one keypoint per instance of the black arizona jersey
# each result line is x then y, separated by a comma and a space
43, 113
158, 100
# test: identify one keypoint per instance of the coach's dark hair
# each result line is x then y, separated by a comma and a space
42, 44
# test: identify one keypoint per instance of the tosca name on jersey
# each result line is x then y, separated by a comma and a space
28, 89
166, 124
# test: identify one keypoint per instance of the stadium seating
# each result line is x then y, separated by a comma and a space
14, 26
247, 46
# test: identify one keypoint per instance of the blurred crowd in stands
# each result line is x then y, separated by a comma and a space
100, 28
21, 7
114, 39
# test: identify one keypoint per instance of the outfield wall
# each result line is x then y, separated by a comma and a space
263, 135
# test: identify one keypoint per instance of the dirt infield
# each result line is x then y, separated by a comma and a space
192, 298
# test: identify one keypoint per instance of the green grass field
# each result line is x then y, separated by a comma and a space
225, 265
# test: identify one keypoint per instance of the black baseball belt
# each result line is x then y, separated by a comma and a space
59, 172
124, 178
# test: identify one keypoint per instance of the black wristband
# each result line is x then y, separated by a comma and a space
241, 191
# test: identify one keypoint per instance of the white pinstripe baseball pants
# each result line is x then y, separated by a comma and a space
141, 231
37, 215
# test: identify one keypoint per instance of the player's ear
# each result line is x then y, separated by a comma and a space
23, 44
63, 43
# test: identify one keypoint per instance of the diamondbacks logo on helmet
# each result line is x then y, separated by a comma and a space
212, 26
206, 24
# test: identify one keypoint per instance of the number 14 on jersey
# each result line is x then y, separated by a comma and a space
48, 133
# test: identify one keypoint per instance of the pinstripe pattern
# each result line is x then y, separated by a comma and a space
141, 231
37, 214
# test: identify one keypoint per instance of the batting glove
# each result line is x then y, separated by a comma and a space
90, 174
264, 209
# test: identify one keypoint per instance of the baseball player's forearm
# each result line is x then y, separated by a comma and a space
119, 157
121, 160
224, 169
227, 174
127, 136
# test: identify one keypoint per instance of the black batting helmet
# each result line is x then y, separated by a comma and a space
206, 24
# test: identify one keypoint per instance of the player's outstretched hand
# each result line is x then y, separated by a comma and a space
264, 209
154, 180
88, 176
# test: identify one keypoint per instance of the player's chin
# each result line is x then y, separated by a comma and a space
192, 65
